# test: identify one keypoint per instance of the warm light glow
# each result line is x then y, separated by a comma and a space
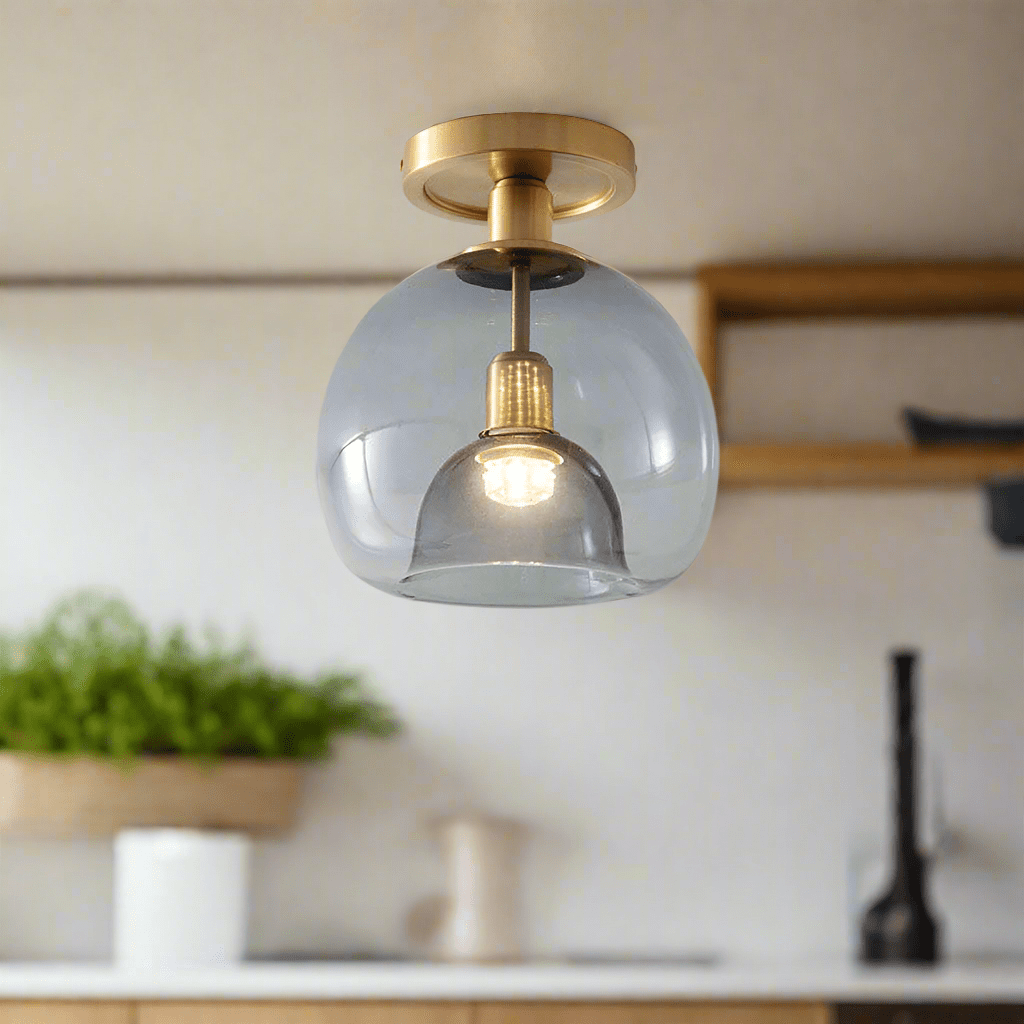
519, 475
519, 480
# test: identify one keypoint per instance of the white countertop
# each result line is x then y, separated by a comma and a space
831, 981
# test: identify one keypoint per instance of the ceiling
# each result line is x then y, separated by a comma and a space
264, 136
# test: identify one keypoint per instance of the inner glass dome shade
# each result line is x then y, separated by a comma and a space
616, 503
519, 520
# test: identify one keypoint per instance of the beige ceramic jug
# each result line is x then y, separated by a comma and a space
478, 919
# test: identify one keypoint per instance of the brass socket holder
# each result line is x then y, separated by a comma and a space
519, 388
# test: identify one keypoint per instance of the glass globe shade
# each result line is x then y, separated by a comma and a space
615, 504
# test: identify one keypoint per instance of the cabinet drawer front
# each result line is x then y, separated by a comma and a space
65, 1013
303, 1013
654, 1013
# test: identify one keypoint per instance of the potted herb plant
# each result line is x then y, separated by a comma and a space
106, 726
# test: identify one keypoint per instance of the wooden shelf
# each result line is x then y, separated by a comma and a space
749, 292
802, 290
865, 464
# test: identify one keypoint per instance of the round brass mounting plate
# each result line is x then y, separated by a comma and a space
490, 265
450, 168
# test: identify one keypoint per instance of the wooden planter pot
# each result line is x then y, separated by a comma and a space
52, 797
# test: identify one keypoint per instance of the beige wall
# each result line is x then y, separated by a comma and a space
697, 766
849, 380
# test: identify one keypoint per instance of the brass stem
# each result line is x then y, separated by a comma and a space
519, 208
521, 306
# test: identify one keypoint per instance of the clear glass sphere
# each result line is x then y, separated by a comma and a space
617, 503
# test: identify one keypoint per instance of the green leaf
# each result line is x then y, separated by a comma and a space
91, 679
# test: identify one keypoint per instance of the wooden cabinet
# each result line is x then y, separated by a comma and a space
66, 1013
276, 1012
653, 1013
302, 1013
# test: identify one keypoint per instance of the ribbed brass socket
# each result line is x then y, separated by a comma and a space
519, 393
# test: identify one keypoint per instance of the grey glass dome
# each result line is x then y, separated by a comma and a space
622, 495
557, 543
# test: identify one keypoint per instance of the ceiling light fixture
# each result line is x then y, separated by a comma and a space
522, 515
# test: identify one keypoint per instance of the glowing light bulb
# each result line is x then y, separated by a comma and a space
519, 475
519, 481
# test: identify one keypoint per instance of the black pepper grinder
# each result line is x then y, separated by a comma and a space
899, 928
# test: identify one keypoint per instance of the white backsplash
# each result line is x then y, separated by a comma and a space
697, 766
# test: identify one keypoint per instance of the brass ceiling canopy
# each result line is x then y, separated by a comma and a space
451, 168
519, 172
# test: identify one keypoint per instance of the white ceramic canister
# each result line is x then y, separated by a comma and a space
180, 897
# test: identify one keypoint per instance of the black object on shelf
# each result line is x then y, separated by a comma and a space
928, 428
899, 928
1005, 495
1006, 511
